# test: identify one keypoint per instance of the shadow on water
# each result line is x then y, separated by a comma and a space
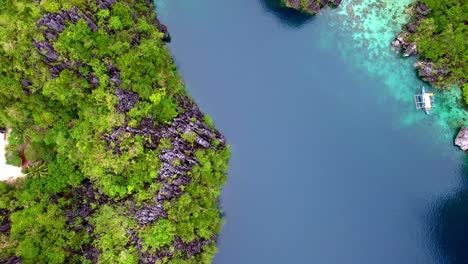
287, 16
450, 223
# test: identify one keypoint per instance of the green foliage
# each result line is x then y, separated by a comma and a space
160, 106
13, 158
304, 4
190, 137
62, 125
122, 12
76, 42
40, 232
149, 194
66, 88
115, 23
208, 121
157, 235
442, 39
465, 92
112, 244
201, 218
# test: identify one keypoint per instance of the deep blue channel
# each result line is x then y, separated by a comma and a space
321, 170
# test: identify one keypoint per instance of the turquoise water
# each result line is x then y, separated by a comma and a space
330, 161
372, 25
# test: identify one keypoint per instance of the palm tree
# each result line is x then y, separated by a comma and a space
37, 171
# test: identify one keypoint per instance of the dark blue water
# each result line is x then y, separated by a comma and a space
322, 171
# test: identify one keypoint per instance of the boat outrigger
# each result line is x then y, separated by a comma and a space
424, 100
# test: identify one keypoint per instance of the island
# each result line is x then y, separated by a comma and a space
120, 164
437, 35
309, 6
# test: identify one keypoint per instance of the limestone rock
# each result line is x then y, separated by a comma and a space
412, 27
429, 72
148, 214
46, 49
410, 50
423, 10
402, 45
127, 100
462, 139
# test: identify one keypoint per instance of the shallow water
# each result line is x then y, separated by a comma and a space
330, 161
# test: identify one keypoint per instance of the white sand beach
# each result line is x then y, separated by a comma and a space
7, 172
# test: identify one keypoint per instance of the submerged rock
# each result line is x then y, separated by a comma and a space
462, 139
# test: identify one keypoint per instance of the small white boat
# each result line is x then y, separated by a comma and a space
424, 100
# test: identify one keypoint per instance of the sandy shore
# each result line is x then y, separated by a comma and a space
7, 171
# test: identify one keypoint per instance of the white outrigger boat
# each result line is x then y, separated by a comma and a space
424, 100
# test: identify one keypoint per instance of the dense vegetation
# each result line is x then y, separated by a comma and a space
441, 38
122, 167
308, 6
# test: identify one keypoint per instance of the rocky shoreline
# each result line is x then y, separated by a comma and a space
427, 70
309, 6
461, 140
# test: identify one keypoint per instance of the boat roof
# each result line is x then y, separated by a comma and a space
427, 100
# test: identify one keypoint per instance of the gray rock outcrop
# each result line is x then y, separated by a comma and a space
429, 72
462, 139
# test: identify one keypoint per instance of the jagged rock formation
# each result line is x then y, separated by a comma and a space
127, 100
54, 24
163, 29
401, 43
310, 6
83, 200
462, 139
427, 70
